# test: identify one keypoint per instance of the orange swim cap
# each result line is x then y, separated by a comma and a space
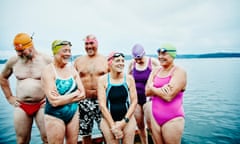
22, 41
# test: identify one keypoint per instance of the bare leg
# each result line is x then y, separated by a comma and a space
129, 131
41, 125
139, 116
108, 136
147, 108
55, 129
172, 130
23, 126
72, 130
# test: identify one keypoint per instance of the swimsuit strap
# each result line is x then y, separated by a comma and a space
126, 87
148, 66
150, 63
109, 85
170, 73
54, 69
172, 70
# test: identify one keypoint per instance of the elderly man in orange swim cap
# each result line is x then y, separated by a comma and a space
29, 99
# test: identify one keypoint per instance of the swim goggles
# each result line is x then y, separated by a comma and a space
164, 50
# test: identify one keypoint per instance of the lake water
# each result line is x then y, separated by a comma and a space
211, 104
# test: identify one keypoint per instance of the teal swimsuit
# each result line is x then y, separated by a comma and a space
65, 112
117, 99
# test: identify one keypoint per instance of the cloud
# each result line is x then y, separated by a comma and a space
193, 26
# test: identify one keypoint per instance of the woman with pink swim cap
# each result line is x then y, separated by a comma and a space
166, 85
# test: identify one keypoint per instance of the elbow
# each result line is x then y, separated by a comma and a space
148, 92
134, 103
101, 107
168, 98
54, 104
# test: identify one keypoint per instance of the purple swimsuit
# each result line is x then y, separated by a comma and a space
162, 110
141, 77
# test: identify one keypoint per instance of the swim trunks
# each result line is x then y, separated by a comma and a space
162, 110
31, 109
118, 99
141, 77
65, 112
89, 111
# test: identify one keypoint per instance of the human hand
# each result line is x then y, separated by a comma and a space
166, 89
79, 95
120, 124
118, 133
13, 101
54, 93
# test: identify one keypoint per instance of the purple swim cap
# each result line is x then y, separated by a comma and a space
138, 51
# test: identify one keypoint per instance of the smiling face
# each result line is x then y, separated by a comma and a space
118, 64
165, 59
63, 55
91, 45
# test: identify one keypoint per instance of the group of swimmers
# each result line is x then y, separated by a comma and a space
65, 100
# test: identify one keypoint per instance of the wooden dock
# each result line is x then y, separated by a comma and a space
99, 139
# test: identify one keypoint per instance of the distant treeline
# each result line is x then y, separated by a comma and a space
179, 56
210, 55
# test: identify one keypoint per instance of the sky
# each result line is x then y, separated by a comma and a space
193, 26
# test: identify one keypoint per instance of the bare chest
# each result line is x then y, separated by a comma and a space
92, 69
28, 70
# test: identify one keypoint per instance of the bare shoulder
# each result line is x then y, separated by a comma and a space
103, 79
155, 69
46, 57
155, 61
102, 57
11, 61
180, 70
131, 63
129, 77
8, 67
78, 59
47, 69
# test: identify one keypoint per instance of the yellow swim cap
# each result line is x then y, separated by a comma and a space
57, 45
22, 41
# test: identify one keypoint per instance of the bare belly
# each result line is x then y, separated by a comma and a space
29, 90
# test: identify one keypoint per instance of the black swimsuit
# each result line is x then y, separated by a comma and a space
117, 99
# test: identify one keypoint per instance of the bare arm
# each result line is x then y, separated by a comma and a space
170, 90
49, 87
80, 87
155, 62
103, 102
149, 85
4, 82
130, 67
133, 98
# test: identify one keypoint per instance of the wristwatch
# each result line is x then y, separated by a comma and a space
126, 119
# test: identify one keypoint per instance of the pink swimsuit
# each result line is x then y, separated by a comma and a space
162, 110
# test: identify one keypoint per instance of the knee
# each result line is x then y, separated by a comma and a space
23, 140
44, 139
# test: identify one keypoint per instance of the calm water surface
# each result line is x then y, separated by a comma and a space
211, 104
